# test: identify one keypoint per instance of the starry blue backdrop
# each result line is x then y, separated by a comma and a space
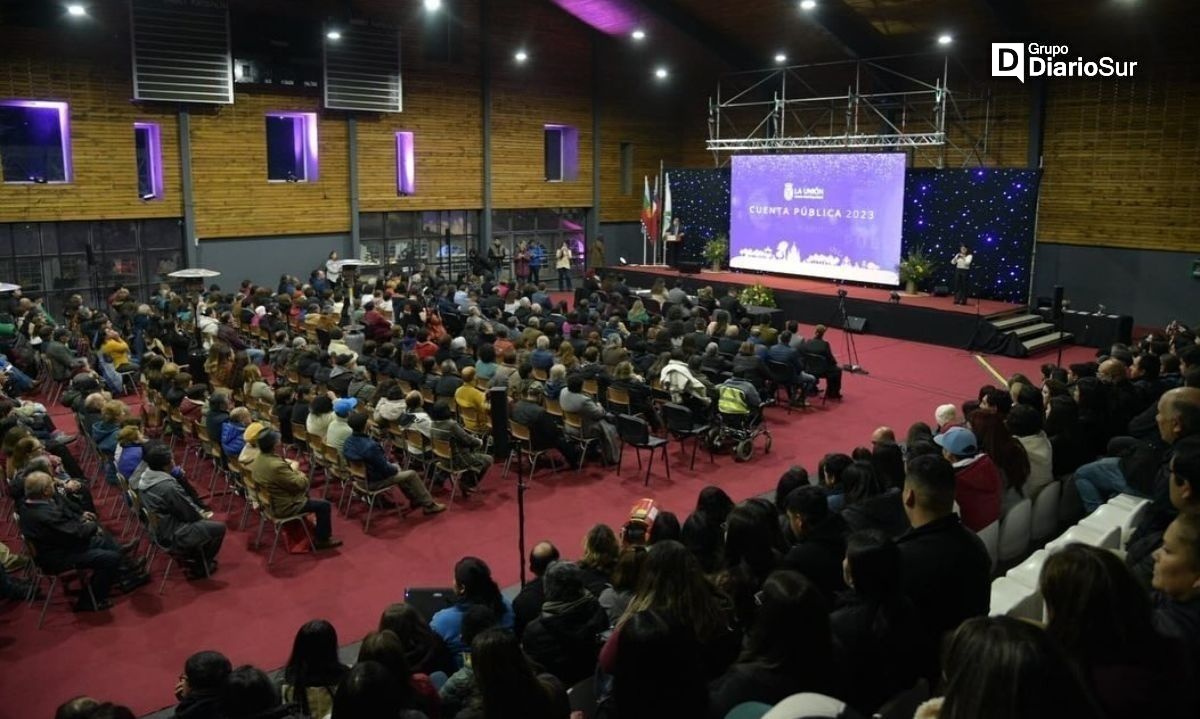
992, 211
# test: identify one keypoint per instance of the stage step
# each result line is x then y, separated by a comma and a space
1033, 330
1045, 341
1010, 323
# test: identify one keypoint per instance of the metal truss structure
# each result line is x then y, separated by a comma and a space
876, 103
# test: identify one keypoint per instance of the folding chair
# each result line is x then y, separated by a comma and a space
360, 488
573, 431
681, 424
635, 432
443, 452
523, 445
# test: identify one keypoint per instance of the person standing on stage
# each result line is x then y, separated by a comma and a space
498, 257
962, 269
562, 263
673, 239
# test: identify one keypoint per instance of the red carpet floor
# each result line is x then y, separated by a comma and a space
133, 654
827, 287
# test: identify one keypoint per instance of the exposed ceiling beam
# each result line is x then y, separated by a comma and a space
725, 47
850, 30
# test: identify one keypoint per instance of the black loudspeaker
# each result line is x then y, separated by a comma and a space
941, 290
429, 600
1058, 302
690, 267
498, 397
856, 324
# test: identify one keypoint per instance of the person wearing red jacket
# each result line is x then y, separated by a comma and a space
979, 486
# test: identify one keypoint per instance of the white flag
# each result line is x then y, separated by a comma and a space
666, 205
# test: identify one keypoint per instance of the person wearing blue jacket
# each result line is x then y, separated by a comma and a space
233, 432
474, 585
104, 434
361, 447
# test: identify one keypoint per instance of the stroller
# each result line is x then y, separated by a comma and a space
739, 422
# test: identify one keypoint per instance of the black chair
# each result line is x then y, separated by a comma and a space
682, 426
635, 432
817, 366
783, 376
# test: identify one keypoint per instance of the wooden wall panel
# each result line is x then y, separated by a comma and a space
1120, 162
229, 171
104, 184
554, 86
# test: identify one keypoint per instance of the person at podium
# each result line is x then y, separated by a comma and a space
673, 240
962, 270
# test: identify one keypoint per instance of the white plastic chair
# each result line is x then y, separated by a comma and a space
1015, 527
1029, 571
1013, 599
1105, 539
1045, 512
1121, 514
991, 539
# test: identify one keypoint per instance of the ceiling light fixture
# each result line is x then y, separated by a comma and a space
433, 5
661, 73
76, 10
808, 4
945, 39
333, 35
521, 56
780, 58
638, 34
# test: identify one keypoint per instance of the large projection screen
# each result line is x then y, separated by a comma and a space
831, 216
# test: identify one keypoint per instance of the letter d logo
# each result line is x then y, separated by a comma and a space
1008, 60
787, 191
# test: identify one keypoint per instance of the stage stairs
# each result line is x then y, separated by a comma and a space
1030, 332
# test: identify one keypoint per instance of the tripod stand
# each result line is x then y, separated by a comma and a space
852, 364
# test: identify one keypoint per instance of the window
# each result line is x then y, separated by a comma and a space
562, 153
292, 147
626, 168
35, 141
406, 165
147, 140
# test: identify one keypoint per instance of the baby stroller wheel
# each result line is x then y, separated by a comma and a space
744, 450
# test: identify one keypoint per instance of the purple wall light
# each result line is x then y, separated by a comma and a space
406, 164
154, 148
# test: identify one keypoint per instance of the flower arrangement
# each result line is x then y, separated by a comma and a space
915, 267
716, 251
757, 294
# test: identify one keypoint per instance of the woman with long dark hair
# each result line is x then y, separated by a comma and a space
474, 585
877, 627
414, 690
870, 504
1004, 668
753, 548
508, 686
789, 648
424, 650
1099, 613
1069, 450
658, 672
673, 586
313, 671
1009, 455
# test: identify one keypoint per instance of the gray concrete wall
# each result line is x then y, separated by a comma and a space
263, 259
1153, 287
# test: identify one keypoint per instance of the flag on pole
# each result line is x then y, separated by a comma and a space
666, 213
655, 210
647, 210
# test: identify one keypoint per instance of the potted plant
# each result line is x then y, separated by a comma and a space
916, 267
716, 251
758, 295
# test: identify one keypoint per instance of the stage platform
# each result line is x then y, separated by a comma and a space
918, 318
